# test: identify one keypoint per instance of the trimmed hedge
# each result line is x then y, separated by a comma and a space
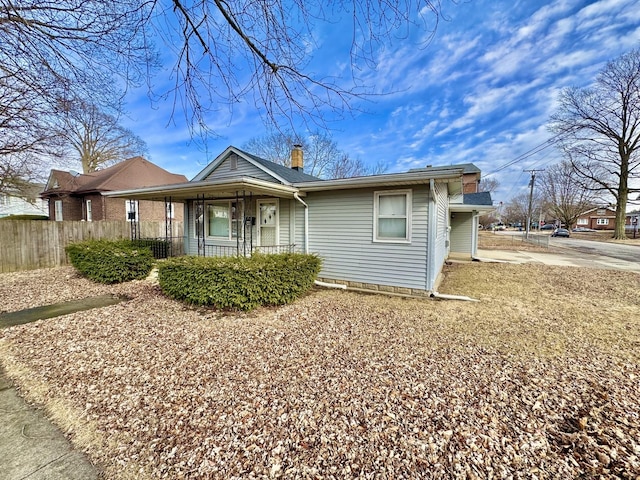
109, 262
239, 283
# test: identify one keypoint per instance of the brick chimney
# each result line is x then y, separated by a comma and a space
297, 162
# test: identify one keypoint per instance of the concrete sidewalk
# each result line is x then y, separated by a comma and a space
31, 448
569, 259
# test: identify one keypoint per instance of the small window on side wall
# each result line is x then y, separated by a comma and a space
392, 216
131, 207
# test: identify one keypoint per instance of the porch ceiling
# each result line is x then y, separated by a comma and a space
226, 188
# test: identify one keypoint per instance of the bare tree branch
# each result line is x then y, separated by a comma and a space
601, 127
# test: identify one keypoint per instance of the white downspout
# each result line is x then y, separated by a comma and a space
306, 243
431, 235
306, 222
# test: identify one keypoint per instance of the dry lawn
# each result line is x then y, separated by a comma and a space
539, 379
493, 241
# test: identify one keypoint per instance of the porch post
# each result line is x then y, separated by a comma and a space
133, 216
168, 226
199, 206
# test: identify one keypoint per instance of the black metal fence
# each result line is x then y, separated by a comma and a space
228, 251
174, 247
162, 247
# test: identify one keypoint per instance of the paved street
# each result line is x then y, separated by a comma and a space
628, 253
573, 252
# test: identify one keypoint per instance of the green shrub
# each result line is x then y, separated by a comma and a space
238, 282
25, 217
110, 261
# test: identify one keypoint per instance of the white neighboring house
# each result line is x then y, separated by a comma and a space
24, 203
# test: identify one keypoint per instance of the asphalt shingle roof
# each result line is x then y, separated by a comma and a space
480, 198
289, 174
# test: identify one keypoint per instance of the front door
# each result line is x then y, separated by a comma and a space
267, 222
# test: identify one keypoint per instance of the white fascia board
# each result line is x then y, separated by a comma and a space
189, 189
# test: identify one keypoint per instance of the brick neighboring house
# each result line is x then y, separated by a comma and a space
75, 196
599, 218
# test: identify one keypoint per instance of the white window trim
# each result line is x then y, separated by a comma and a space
583, 221
57, 210
602, 221
205, 218
409, 206
259, 220
171, 210
89, 210
136, 209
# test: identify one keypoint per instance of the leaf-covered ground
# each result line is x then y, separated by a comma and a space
539, 379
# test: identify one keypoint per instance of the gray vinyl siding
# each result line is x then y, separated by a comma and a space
245, 169
461, 233
284, 227
341, 232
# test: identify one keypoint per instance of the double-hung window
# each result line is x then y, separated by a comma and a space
392, 216
602, 221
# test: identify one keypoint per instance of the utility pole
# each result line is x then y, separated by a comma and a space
531, 184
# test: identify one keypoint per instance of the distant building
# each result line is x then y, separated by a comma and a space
598, 218
27, 201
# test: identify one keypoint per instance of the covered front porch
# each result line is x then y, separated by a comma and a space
226, 218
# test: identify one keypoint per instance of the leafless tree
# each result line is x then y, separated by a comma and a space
51, 52
516, 210
225, 52
276, 147
600, 126
322, 156
488, 185
96, 138
25, 135
347, 167
260, 51
568, 195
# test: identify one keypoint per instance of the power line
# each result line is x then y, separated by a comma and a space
537, 149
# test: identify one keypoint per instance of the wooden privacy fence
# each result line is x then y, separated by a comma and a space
30, 244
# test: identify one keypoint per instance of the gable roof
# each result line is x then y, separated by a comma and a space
604, 207
279, 172
291, 175
135, 172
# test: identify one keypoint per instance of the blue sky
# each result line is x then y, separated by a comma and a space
481, 91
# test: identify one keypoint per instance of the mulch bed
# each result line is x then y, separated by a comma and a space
523, 384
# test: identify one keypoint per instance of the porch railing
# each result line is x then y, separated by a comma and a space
174, 247
163, 247
228, 251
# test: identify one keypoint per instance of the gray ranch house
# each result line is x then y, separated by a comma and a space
390, 232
